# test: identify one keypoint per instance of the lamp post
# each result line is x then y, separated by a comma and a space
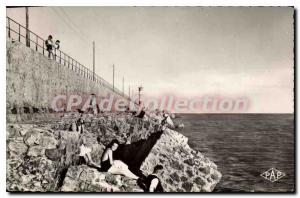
140, 89
27, 27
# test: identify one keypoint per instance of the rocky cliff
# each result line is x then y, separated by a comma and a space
43, 156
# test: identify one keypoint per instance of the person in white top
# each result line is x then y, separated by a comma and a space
85, 152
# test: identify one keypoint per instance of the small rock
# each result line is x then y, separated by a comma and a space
32, 138
189, 173
35, 151
48, 140
177, 165
199, 181
37, 184
183, 178
170, 181
179, 190
18, 147
175, 177
54, 154
189, 161
187, 186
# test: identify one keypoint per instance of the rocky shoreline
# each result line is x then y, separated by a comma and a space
43, 156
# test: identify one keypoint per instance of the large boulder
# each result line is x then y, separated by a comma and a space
185, 170
85, 179
28, 169
30, 174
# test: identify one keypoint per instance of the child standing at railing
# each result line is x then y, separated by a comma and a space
56, 47
57, 44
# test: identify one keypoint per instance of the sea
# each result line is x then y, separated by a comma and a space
243, 146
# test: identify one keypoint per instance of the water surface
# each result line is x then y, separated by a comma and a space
243, 146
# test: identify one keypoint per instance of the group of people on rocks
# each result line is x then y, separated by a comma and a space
51, 47
163, 118
108, 163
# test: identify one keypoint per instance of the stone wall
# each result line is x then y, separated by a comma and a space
32, 80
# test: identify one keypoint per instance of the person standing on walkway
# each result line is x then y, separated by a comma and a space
49, 46
94, 104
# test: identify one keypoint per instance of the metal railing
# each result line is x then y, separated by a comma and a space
20, 33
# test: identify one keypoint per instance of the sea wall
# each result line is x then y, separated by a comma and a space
32, 81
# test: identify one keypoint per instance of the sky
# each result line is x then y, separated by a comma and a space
185, 51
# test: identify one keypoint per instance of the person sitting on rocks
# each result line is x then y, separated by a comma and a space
157, 117
167, 122
173, 123
80, 124
142, 113
108, 164
152, 182
85, 155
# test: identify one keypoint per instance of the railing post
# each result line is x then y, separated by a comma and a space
27, 37
64, 59
72, 63
19, 33
36, 44
43, 47
8, 27
59, 57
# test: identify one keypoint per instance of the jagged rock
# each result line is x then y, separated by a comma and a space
17, 147
177, 165
29, 175
24, 129
200, 181
183, 178
54, 154
12, 132
70, 185
175, 177
85, 179
32, 138
35, 151
189, 173
189, 161
48, 140
180, 161
187, 186
205, 170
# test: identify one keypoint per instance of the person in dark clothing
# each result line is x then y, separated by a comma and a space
49, 46
152, 182
108, 164
80, 124
142, 113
